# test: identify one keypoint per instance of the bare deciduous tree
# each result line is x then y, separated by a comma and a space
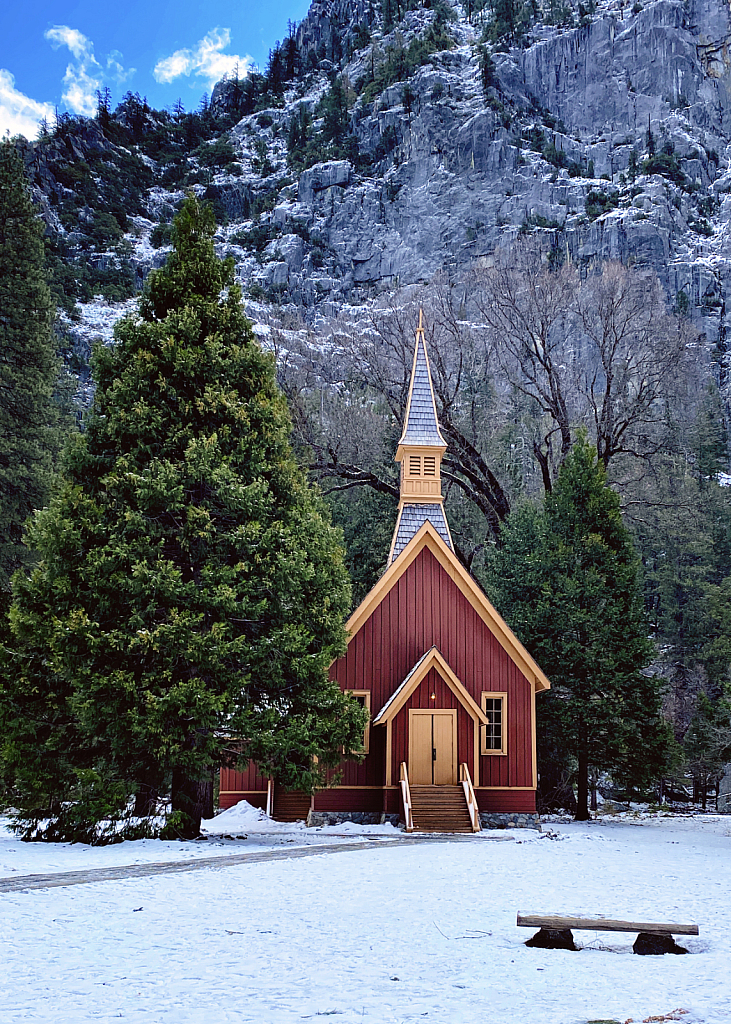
522, 354
634, 361
603, 351
528, 310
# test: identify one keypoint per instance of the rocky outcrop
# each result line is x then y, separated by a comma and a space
330, 25
622, 69
322, 177
43, 158
568, 120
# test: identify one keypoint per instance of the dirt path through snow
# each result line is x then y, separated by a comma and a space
23, 883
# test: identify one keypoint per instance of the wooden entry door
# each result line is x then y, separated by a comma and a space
432, 748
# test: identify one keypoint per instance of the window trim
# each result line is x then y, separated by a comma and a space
503, 749
366, 694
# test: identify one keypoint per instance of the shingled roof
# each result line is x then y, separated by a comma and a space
411, 519
421, 426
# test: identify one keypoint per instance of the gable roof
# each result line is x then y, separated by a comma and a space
432, 658
421, 426
428, 537
411, 518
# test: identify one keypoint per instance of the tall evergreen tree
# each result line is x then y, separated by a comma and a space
707, 745
29, 369
684, 536
190, 592
566, 578
335, 120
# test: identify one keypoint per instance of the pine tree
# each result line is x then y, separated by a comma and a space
567, 580
505, 19
190, 592
685, 541
650, 139
388, 14
707, 745
29, 370
104, 107
335, 120
488, 70
276, 70
710, 439
290, 49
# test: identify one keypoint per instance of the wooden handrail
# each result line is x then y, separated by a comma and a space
406, 794
469, 792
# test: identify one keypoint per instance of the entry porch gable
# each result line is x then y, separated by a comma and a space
430, 660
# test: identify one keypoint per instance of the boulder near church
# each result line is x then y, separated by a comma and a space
451, 691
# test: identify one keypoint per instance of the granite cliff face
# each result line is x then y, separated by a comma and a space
617, 71
563, 143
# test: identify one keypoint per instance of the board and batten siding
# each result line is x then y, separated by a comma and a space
425, 607
248, 785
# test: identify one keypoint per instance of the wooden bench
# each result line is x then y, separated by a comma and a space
653, 937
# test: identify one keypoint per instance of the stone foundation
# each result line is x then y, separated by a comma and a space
501, 819
488, 819
319, 818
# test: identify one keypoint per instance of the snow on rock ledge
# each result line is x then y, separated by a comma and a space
322, 176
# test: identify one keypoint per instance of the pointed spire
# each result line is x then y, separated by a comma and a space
421, 426
420, 452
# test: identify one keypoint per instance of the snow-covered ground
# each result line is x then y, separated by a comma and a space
390, 934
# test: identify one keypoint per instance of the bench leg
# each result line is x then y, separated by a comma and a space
552, 938
649, 944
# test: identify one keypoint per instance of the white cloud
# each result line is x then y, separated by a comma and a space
62, 35
205, 60
19, 114
115, 72
85, 75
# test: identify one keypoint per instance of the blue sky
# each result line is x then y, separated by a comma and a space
57, 54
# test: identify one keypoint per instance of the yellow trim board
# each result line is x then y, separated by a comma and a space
367, 705
242, 792
427, 537
389, 756
433, 659
503, 751
518, 789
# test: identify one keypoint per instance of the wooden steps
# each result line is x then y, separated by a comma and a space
440, 809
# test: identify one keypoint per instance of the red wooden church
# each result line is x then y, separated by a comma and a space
451, 690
